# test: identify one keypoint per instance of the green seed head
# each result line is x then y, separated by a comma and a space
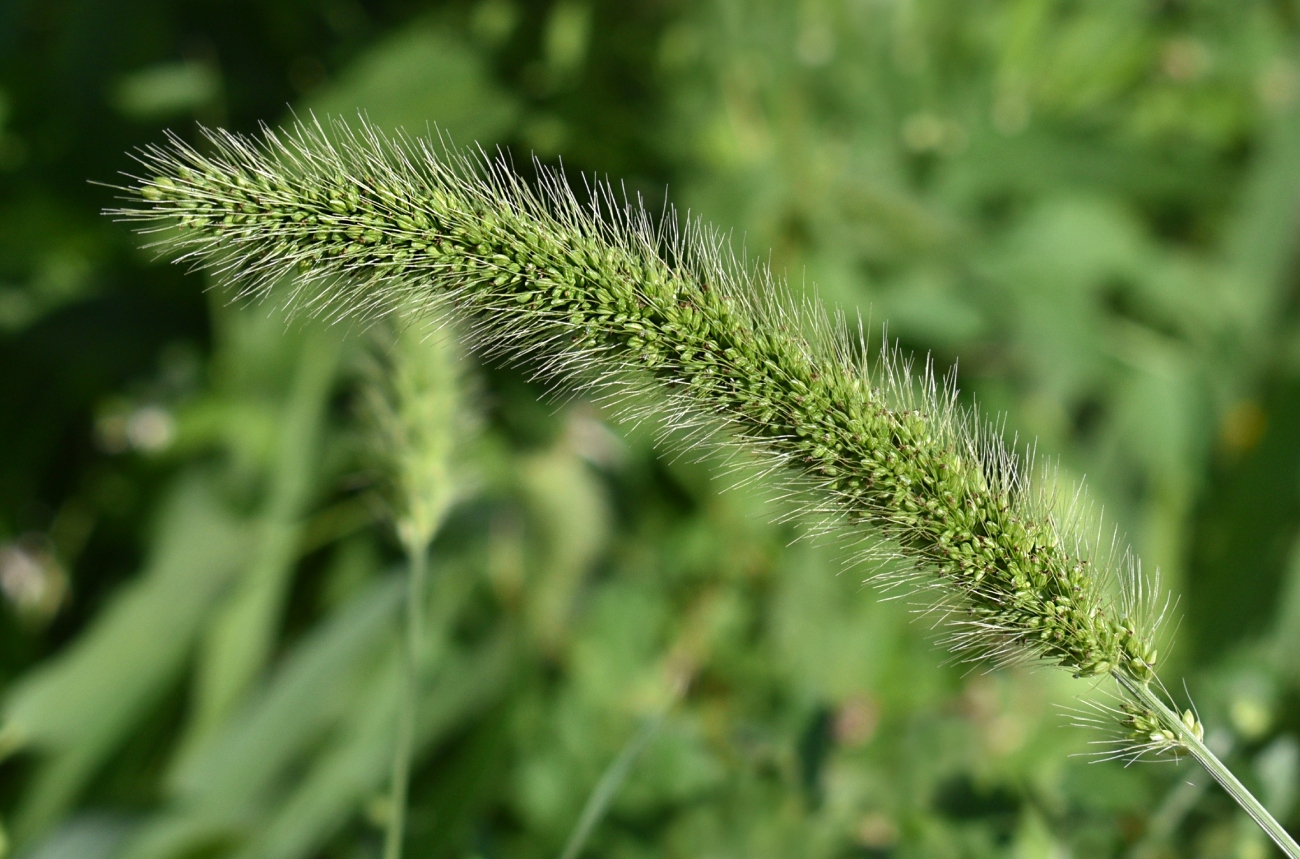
602, 298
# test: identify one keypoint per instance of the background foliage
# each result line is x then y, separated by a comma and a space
1094, 205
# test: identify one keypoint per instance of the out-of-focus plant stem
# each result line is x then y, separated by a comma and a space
417, 565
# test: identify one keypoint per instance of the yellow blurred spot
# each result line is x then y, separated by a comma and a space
926, 132
856, 721
565, 40
494, 20
877, 831
923, 132
1279, 84
1243, 427
150, 429
379, 810
1185, 59
1251, 717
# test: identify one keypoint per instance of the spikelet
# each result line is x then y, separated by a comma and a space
600, 297
418, 414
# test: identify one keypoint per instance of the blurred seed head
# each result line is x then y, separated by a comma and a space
418, 409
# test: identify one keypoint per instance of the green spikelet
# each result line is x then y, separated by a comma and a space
417, 412
597, 296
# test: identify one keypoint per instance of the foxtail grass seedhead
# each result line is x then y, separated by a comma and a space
599, 296
418, 411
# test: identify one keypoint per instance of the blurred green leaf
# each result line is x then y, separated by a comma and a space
223, 787
353, 767
77, 708
167, 89
421, 78
241, 636
82, 837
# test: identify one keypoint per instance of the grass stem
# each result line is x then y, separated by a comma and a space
403, 749
1195, 746
610, 781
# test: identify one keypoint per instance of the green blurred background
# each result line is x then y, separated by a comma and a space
1093, 205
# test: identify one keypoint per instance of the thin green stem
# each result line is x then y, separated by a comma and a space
1143, 693
417, 572
610, 781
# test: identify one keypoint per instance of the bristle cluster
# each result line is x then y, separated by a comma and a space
1134, 731
601, 297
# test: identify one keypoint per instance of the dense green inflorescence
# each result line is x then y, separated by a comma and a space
418, 415
596, 295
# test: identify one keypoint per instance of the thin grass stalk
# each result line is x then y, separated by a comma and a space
602, 795
1193, 742
417, 565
